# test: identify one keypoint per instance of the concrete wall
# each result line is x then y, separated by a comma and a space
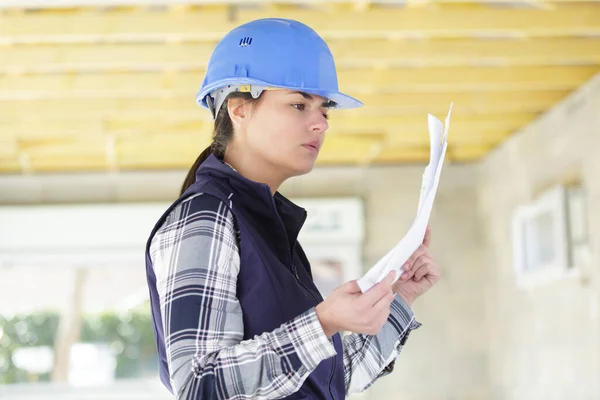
543, 342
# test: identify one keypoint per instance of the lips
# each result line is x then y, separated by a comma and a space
314, 145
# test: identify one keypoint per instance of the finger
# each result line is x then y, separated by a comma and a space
351, 287
391, 277
377, 292
420, 261
434, 273
409, 264
427, 239
422, 271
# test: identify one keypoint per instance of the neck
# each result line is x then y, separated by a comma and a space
253, 169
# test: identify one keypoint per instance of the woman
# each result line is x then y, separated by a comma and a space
236, 313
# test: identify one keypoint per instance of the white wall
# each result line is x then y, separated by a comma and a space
544, 343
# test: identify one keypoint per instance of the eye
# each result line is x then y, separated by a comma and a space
299, 107
302, 107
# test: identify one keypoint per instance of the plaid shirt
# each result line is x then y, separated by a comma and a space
196, 261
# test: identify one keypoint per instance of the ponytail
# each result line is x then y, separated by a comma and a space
190, 178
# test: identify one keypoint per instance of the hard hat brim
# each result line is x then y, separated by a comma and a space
342, 101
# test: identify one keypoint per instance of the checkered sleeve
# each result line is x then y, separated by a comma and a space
196, 260
368, 358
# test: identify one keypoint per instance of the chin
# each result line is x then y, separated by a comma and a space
303, 167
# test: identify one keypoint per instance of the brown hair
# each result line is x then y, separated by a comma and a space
222, 134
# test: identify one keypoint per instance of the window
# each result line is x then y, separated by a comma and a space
550, 235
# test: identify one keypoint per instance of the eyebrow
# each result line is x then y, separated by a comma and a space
326, 103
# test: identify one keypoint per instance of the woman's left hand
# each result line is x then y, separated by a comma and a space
421, 272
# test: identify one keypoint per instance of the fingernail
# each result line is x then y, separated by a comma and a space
405, 276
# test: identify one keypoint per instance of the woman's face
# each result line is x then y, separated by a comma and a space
286, 130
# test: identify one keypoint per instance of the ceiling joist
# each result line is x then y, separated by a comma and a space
363, 80
375, 53
104, 104
380, 22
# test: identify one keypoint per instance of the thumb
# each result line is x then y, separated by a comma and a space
427, 238
351, 287
389, 279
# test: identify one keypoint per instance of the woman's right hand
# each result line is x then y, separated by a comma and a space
348, 309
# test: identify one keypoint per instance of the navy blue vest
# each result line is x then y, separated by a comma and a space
275, 281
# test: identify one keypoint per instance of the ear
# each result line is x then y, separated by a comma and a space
238, 110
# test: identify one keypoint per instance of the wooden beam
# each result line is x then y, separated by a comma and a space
359, 4
416, 153
181, 158
352, 154
461, 123
470, 153
405, 138
189, 144
143, 104
164, 153
57, 148
347, 53
9, 166
83, 127
374, 22
361, 80
404, 154
8, 148
158, 148
69, 161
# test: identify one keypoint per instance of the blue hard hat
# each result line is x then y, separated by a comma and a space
271, 53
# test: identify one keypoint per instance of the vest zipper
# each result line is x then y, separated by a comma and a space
295, 271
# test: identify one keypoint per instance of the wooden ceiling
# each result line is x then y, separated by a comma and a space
110, 85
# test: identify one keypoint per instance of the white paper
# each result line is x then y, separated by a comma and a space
397, 256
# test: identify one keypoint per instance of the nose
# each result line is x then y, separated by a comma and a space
319, 124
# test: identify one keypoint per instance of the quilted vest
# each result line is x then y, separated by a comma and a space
275, 281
